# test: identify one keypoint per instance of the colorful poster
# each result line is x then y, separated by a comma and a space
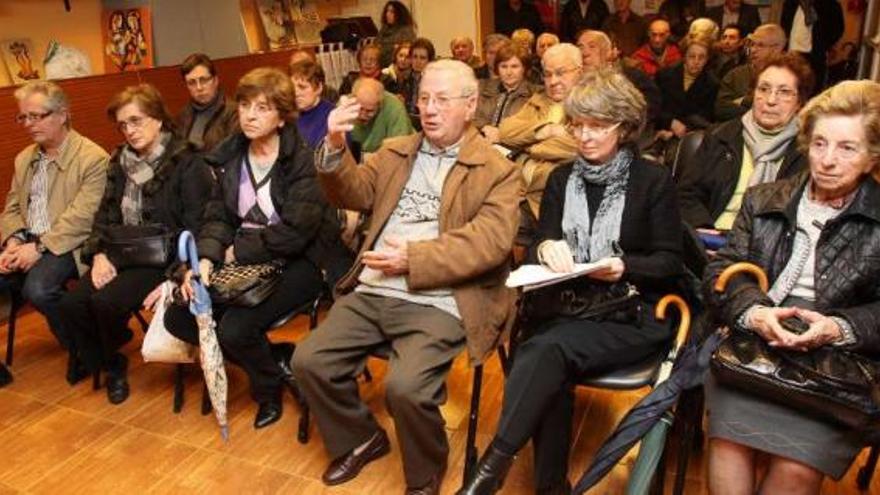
21, 61
128, 39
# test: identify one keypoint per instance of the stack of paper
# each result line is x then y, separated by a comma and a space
531, 277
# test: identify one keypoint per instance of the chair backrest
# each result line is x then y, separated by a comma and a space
687, 149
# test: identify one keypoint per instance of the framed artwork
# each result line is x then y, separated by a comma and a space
307, 23
290, 22
21, 61
127, 38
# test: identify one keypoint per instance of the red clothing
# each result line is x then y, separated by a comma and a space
650, 63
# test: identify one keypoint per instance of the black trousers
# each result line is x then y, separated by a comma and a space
242, 331
539, 393
97, 320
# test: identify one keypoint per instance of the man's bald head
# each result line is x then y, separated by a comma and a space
658, 34
369, 93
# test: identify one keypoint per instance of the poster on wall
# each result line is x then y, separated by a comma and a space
127, 38
307, 23
290, 22
21, 61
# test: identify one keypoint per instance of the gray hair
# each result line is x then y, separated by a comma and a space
609, 96
56, 98
567, 51
464, 74
495, 39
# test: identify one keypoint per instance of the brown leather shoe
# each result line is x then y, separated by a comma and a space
433, 487
349, 466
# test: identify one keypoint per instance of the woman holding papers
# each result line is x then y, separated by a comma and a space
608, 205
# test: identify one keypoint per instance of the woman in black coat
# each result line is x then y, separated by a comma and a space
688, 90
612, 206
267, 207
154, 184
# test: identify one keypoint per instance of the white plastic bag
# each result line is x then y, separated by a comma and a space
159, 345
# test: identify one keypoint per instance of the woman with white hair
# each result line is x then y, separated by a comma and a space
608, 205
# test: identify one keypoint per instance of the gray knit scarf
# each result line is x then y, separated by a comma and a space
138, 171
594, 242
767, 148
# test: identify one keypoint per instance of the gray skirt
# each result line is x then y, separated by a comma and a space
763, 425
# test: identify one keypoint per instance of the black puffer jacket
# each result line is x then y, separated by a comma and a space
707, 182
308, 227
847, 256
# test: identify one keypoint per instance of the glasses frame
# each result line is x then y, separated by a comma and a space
198, 82
32, 117
442, 102
781, 94
578, 131
134, 123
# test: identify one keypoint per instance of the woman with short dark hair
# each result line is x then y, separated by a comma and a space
504, 96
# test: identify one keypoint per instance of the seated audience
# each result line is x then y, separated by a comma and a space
429, 281
308, 84
626, 27
369, 68
300, 55
734, 91
538, 129
55, 190
756, 148
208, 118
491, 44
397, 28
381, 116
822, 259
702, 27
420, 53
608, 205
680, 14
267, 207
544, 41
728, 53
524, 38
744, 15
814, 27
401, 64
505, 96
511, 15
659, 52
156, 185
578, 15
462, 48
688, 91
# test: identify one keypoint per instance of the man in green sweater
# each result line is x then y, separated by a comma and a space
382, 116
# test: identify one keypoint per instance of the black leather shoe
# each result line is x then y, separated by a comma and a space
489, 473
268, 413
76, 370
5, 375
349, 466
117, 380
433, 487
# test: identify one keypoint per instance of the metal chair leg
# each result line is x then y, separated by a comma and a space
867, 471
177, 406
207, 407
96, 380
141, 320
302, 433
470, 457
505, 359
15, 303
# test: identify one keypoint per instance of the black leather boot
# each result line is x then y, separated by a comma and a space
489, 473
5, 376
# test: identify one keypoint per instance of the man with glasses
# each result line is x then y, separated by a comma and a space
537, 132
208, 117
734, 98
56, 187
429, 281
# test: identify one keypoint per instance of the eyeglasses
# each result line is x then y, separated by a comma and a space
442, 102
584, 131
133, 123
782, 93
548, 74
841, 151
32, 117
195, 82
260, 108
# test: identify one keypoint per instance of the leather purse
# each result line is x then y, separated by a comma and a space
619, 302
828, 383
129, 246
235, 284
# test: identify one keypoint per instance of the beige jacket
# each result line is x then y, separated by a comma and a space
76, 186
540, 156
478, 222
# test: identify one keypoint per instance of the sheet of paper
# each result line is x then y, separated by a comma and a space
531, 277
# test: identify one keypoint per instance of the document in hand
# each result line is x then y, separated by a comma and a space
531, 277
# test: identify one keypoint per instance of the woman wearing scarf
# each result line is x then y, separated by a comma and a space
154, 184
608, 205
759, 147
267, 207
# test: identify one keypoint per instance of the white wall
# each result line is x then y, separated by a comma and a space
442, 20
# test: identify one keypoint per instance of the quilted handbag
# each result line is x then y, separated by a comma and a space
235, 284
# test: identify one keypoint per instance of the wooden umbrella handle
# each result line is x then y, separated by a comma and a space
684, 324
737, 268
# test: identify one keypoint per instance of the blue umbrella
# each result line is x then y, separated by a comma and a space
210, 355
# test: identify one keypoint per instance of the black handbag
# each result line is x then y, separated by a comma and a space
828, 383
235, 284
619, 302
142, 246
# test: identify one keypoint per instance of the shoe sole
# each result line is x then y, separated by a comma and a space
385, 450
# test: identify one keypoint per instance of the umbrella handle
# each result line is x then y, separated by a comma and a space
684, 324
737, 268
186, 251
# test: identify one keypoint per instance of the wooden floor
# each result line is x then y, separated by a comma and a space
58, 439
